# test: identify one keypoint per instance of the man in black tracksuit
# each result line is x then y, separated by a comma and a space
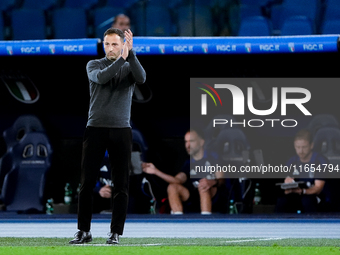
112, 81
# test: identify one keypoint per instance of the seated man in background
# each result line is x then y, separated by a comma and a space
303, 198
183, 189
122, 22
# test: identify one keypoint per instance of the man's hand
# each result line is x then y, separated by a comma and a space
205, 184
128, 44
128, 39
105, 191
289, 180
149, 168
295, 190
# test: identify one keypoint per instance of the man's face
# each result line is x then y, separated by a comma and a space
303, 149
193, 143
113, 46
123, 23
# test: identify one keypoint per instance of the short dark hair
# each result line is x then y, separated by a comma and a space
116, 31
304, 134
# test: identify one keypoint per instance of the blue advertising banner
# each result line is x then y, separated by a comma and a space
235, 45
49, 47
180, 45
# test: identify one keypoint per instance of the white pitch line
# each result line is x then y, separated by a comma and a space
189, 243
98, 244
254, 240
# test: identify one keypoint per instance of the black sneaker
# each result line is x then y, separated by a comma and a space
113, 239
81, 237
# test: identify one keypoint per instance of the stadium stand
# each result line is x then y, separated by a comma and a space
332, 9
103, 18
2, 27
203, 21
120, 4
26, 144
23, 125
253, 2
297, 25
322, 120
308, 8
177, 17
7, 4
69, 23
184, 18
330, 19
194, 20
249, 10
158, 21
327, 142
255, 26
23, 187
331, 26
85, 4
23, 20
39, 4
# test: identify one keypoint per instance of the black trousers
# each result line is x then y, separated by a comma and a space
118, 143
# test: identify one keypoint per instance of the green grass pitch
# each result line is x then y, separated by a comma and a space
177, 246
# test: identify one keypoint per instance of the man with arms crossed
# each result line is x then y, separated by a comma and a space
181, 187
112, 81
